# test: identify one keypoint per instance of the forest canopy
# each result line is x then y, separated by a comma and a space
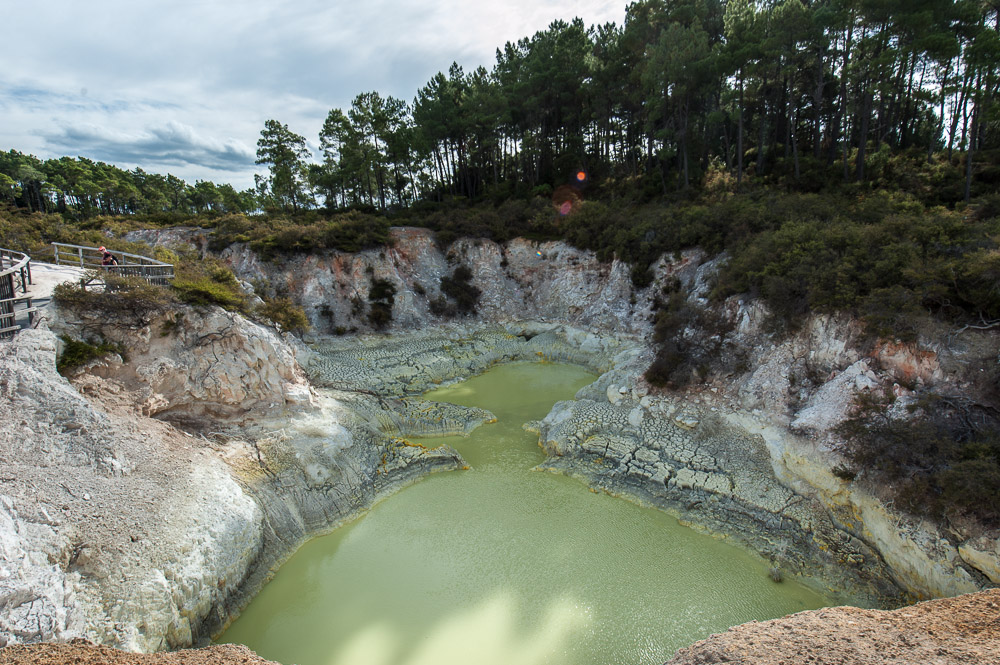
797, 92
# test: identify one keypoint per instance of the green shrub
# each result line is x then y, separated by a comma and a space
439, 306
380, 315
459, 289
209, 282
681, 358
892, 313
381, 296
943, 461
125, 301
285, 314
271, 236
206, 291
880, 252
77, 353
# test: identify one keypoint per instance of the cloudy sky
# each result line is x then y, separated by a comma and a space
184, 86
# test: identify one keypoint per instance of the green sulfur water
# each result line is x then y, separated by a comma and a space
502, 565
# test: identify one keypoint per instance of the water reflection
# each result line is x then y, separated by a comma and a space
487, 634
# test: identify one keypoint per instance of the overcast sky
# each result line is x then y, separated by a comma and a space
184, 86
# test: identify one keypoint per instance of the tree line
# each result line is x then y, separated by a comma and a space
808, 91
85, 188
801, 88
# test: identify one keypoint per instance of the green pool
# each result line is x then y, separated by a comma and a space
500, 564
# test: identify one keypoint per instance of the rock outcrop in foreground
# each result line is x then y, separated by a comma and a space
82, 652
951, 631
136, 532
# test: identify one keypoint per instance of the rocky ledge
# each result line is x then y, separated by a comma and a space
82, 652
149, 533
951, 631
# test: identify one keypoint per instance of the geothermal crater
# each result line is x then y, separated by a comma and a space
153, 497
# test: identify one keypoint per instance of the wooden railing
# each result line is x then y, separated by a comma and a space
15, 275
132, 265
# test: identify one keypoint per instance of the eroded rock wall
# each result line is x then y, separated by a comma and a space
747, 453
143, 504
196, 365
519, 280
796, 394
117, 528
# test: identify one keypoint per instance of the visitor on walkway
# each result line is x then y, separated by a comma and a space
108, 259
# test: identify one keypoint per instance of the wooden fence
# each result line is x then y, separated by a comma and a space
15, 276
132, 265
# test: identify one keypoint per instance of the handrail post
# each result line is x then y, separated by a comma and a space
79, 251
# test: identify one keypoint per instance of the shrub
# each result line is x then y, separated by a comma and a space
285, 314
459, 288
380, 315
126, 301
892, 313
77, 352
682, 357
351, 231
209, 282
381, 296
439, 306
943, 461
357, 306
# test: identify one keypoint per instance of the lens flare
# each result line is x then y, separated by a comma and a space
566, 208
581, 176
538, 254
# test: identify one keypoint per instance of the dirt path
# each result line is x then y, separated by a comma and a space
964, 630
82, 652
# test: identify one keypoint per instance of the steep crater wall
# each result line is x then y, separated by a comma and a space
778, 400
151, 532
742, 455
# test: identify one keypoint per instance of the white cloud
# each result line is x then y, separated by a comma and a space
188, 84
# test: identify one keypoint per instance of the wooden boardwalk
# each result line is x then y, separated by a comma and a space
15, 281
26, 286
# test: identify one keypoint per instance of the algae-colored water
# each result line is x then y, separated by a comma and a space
502, 565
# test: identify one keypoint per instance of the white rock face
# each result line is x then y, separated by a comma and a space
830, 405
563, 284
121, 528
201, 365
36, 596
114, 529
